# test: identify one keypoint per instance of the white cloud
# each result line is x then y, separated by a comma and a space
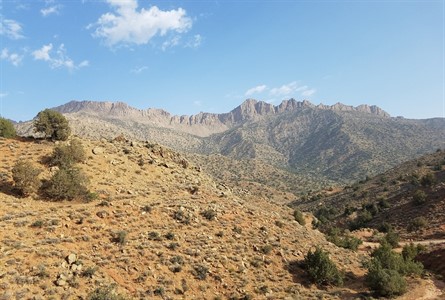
59, 60
195, 42
138, 70
290, 89
3, 95
255, 90
308, 93
13, 58
174, 41
128, 25
11, 29
55, 9
285, 89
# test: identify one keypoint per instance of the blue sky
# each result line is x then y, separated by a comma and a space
198, 55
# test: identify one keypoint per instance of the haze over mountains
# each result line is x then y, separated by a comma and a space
337, 143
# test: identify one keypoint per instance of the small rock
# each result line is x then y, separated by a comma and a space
71, 258
98, 150
61, 282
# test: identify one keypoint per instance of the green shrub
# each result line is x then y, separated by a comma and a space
104, 293
7, 129
52, 124
68, 155
417, 223
387, 268
362, 220
385, 282
200, 272
67, 183
419, 197
209, 214
340, 239
392, 238
298, 216
120, 237
321, 269
428, 180
25, 177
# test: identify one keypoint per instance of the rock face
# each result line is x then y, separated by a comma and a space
202, 124
337, 142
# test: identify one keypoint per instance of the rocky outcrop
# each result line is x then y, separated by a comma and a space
202, 124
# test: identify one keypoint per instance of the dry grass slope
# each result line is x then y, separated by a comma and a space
161, 228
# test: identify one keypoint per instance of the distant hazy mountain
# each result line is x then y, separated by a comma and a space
336, 143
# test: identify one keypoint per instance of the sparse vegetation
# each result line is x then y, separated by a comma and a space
52, 125
105, 293
387, 268
67, 183
419, 197
7, 129
25, 176
321, 269
298, 216
66, 156
209, 214
343, 240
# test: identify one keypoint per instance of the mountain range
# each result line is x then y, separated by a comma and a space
329, 144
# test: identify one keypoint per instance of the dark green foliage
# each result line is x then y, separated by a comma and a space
25, 177
321, 269
120, 237
67, 183
428, 180
7, 129
385, 282
419, 197
298, 216
410, 251
387, 268
362, 220
340, 239
384, 203
209, 214
68, 155
52, 124
385, 227
200, 272
104, 293
324, 215
392, 238
89, 272
417, 224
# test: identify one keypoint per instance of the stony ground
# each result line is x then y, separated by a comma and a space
160, 228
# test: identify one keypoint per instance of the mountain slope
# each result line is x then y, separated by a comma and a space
334, 144
409, 197
161, 228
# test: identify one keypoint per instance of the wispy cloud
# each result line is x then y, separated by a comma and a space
291, 89
11, 29
138, 70
255, 90
51, 10
59, 59
174, 41
3, 95
308, 93
128, 25
14, 58
195, 42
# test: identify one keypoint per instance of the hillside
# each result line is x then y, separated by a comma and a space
161, 228
409, 197
324, 144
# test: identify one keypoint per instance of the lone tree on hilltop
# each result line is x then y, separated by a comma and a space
52, 124
7, 129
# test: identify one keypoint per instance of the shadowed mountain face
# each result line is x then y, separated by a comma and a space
337, 143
